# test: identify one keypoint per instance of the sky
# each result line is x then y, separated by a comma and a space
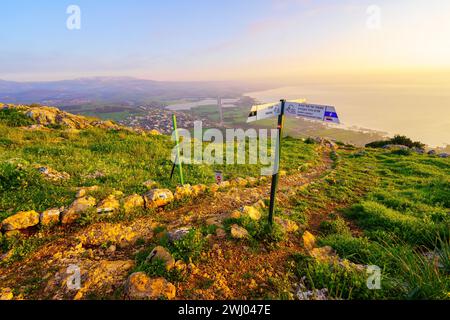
258, 40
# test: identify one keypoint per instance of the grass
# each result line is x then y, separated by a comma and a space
400, 204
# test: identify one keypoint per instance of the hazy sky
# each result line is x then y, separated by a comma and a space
222, 39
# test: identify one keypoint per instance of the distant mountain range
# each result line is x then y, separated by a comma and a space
123, 90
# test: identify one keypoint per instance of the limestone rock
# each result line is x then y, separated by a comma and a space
182, 192
236, 214
79, 206
287, 225
309, 241
251, 212
141, 287
158, 198
6, 294
237, 232
133, 202
178, 234
161, 253
52, 174
21, 220
199, 189
50, 217
108, 233
240, 182
220, 233
82, 192
110, 204
154, 132
224, 185
214, 188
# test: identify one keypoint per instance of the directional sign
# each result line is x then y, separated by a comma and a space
294, 108
312, 111
264, 111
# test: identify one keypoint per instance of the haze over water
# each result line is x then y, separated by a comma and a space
421, 112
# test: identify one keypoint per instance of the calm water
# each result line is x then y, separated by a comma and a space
420, 112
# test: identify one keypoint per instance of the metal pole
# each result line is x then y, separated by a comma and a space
275, 176
174, 119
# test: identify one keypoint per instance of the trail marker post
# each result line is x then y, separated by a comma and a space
295, 108
275, 176
178, 158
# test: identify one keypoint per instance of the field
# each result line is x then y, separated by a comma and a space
387, 209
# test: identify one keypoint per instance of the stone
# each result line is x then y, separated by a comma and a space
220, 233
252, 181
178, 234
109, 204
182, 192
161, 253
235, 214
52, 174
303, 293
237, 232
21, 220
81, 193
150, 184
50, 217
95, 175
180, 265
309, 241
418, 150
158, 198
432, 152
214, 188
108, 233
199, 189
79, 206
139, 286
6, 294
214, 221
251, 212
395, 147
98, 276
133, 202
260, 204
240, 182
443, 155
288, 226
154, 132
224, 185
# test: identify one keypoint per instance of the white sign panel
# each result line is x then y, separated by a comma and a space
264, 111
295, 108
311, 111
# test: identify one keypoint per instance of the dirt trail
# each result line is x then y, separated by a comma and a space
224, 265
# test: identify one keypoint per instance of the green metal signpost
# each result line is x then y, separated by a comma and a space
178, 159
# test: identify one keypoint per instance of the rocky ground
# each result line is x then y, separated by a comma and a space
104, 253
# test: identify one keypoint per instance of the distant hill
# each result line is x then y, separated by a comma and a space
123, 90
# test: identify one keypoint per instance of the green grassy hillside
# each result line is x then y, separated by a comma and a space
372, 207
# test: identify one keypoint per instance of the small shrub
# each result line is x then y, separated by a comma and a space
14, 118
